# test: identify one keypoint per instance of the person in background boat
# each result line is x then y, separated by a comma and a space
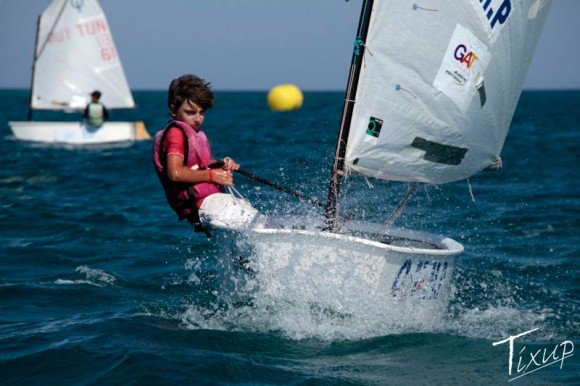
96, 113
193, 181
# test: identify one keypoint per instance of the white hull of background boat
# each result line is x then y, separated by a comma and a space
394, 270
76, 133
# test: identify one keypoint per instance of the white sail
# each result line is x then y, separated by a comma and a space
75, 54
438, 86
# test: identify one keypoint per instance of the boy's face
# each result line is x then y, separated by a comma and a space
190, 113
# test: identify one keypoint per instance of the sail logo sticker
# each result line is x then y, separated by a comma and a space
465, 57
465, 60
374, 127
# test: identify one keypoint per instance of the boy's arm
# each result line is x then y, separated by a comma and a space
178, 172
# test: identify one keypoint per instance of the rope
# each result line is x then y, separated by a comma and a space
397, 212
293, 193
470, 190
233, 191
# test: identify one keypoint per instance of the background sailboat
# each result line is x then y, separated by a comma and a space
74, 55
430, 97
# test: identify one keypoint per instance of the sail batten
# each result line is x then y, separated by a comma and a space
76, 54
438, 87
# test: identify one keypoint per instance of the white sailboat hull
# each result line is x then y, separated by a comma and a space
397, 270
76, 133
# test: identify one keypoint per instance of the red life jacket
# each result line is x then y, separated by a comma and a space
197, 152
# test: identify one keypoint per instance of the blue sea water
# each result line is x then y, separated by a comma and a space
100, 284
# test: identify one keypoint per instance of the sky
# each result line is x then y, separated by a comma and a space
254, 44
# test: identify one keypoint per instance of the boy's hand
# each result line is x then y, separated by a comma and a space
223, 177
230, 164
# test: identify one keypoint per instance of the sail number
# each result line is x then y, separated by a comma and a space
497, 14
106, 46
419, 279
93, 29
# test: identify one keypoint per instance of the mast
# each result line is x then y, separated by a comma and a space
349, 101
38, 52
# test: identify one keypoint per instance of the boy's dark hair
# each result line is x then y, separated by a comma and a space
190, 87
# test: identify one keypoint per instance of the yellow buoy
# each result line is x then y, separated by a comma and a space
285, 97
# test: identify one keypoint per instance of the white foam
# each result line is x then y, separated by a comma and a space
329, 297
93, 276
